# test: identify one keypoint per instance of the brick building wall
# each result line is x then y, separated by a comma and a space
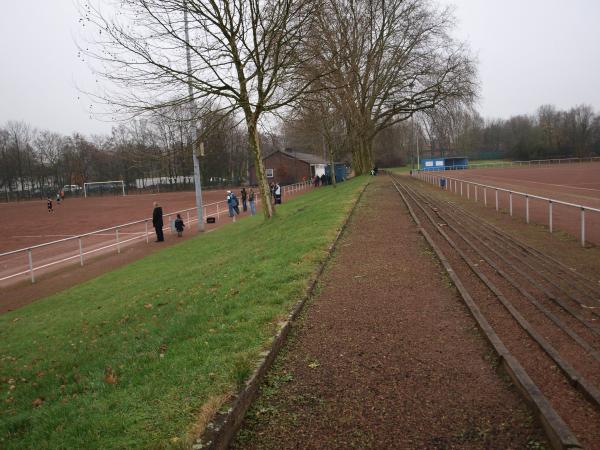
286, 169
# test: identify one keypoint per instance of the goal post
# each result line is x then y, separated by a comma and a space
103, 186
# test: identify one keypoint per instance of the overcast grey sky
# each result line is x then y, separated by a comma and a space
531, 52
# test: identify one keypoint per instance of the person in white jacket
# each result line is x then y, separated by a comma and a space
277, 193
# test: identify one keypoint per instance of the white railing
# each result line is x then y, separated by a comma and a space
211, 209
535, 162
461, 187
504, 164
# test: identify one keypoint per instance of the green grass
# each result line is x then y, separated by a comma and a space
401, 169
179, 329
488, 161
491, 162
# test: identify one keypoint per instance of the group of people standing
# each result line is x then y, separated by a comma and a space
275, 193
157, 223
248, 200
321, 180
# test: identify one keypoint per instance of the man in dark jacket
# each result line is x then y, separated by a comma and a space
243, 194
157, 222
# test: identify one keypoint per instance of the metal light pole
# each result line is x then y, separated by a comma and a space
418, 158
192, 111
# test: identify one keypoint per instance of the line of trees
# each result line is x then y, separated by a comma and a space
36, 163
144, 153
549, 133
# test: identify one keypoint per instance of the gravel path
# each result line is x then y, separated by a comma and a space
386, 355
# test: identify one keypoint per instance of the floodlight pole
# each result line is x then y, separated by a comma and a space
192, 111
418, 158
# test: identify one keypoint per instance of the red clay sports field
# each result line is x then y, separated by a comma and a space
27, 224
577, 183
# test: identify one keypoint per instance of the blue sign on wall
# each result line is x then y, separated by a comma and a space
453, 163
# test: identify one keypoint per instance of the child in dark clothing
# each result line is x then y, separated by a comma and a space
179, 225
50, 205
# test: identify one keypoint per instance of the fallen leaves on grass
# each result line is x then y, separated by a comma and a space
162, 350
148, 305
314, 365
37, 402
110, 376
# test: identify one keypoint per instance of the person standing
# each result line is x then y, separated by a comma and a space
232, 204
243, 194
272, 191
277, 193
50, 209
251, 200
57, 198
235, 203
157, 222
179, 225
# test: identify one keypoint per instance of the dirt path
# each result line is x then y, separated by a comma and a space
386, 356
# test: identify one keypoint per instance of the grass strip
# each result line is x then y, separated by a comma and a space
142, 356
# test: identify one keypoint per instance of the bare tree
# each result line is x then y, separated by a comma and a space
48, 146
6, 169
245, 56
390, 59
319, 125
578, 127
20, 135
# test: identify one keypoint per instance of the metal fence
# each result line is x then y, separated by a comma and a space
504, 164
479, 192
535, 162
27, 261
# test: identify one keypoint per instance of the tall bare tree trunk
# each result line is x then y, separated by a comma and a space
265, 192
331, 161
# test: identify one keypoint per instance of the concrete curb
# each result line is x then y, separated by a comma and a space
221, 430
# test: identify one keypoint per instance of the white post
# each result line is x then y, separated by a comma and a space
582, 226
485, 196
146, 224
527, 208
118, 246
461, 188
188, 216
170, 228
30, 257
80, 253
468, 191
550, 214
496, 199
475, 193
510, 202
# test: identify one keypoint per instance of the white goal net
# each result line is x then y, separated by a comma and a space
104, 188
